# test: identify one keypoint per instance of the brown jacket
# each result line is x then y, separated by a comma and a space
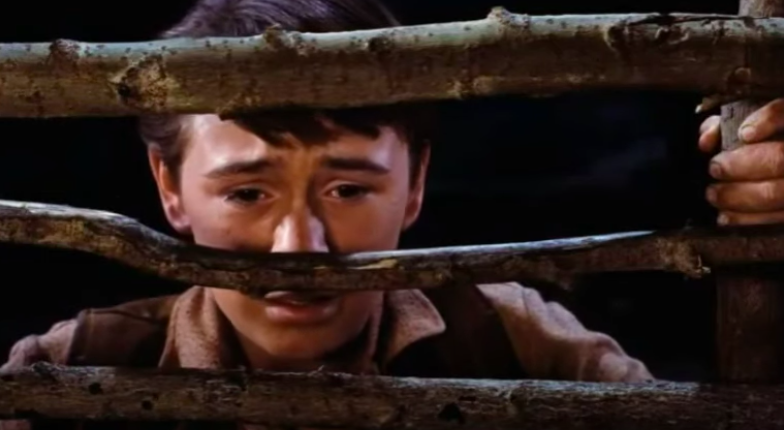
544, 340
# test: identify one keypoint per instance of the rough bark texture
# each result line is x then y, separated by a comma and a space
692, 252
750, 306
504, 53
345, 401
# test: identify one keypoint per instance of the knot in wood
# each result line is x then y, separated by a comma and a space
500, 14
275, 36
64, 54
681, 256
738, 80
379, 44
510, 21
144, 85
616, 36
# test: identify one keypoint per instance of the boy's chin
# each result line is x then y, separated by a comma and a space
301, 345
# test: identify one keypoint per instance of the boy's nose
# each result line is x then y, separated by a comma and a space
300, 233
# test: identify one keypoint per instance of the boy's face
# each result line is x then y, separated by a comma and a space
238, 192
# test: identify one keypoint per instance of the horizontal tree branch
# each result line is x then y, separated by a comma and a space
502, 54
328, 400
122, 239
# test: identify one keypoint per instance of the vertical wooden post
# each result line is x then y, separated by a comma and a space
750, 330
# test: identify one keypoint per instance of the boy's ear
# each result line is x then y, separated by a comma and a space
417, 194
169, 192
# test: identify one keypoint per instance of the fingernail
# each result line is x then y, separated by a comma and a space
715, 170
710, 195
723, 219
748, 132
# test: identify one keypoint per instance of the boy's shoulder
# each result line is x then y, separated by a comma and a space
132, 329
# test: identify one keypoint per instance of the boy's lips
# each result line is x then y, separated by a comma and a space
301, 308
301, 298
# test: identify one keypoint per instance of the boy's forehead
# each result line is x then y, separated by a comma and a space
209, 126
218, 141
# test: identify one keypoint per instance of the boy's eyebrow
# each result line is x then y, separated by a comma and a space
254, 166
352, 163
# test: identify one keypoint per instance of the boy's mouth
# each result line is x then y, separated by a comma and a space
303, 308
305, 298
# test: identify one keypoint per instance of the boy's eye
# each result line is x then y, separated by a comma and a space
348, 191
245, 195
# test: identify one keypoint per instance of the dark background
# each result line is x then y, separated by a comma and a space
506, 170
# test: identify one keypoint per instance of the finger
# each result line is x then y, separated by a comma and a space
738, 218
758, 162
747, 197
764, 123
710, 134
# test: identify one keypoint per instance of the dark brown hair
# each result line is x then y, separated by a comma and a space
243, 18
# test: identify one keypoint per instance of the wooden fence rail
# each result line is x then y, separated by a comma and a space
693, 252
504, 53
318, 400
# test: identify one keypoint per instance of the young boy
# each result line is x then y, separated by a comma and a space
332, 181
